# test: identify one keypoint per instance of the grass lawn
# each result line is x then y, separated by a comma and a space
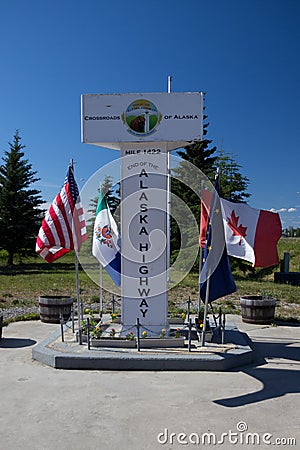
23, 284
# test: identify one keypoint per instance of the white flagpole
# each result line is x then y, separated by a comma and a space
205, 310
200, 268
212, 212
79, 312
200, 258
100, 290
78, 291
168, 198
169, 84
100, 270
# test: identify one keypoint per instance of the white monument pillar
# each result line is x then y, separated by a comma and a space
144, 236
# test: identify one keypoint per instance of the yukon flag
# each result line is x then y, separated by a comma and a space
63, 228
106, 241
251, 234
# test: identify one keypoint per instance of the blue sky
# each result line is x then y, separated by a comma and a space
243, 54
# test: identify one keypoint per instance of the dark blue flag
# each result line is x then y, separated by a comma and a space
215, 266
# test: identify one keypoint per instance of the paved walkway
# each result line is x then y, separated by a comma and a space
48, 409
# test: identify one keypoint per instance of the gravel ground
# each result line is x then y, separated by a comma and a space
11, 313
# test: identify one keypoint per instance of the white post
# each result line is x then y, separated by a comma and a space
147, 121
205, 310
77, 275
100, 291
169, 84
211, 213
200, 268
200, 259
101, 271
168, 199
78, 291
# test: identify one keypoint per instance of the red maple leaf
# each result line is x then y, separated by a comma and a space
238, 230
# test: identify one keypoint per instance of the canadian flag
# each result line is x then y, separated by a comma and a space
250, 234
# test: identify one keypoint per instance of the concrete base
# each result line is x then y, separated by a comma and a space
213, 357
49, 409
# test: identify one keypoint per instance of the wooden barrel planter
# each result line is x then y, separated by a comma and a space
51, 307
257, 309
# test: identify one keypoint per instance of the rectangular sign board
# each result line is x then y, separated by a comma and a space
112, 120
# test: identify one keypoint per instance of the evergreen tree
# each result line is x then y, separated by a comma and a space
186, 184
112, 196
233, 185
20, 215
200, 155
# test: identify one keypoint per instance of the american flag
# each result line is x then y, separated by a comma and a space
63, 228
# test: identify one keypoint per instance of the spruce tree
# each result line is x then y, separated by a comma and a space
112, 196
186, 184
233, 185
20, 215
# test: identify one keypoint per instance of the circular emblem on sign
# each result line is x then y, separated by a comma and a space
141, 117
